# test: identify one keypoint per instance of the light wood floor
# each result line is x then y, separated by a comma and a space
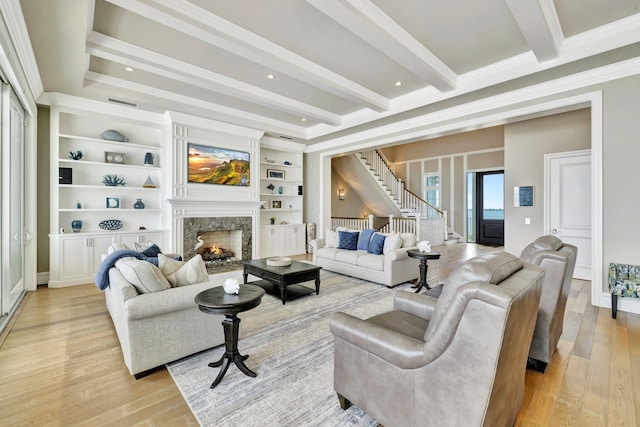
61, 365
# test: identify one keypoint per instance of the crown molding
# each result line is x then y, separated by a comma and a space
281, 144
178, 118
204, 25
140, 58
400, 130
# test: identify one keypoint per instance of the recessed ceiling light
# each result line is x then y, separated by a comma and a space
129, 69
303, 119
398, 83
271, 76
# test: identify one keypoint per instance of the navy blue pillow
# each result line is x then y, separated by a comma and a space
376, 244
151, 251
348, 240
365, 237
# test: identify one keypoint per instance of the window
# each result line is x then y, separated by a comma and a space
431, 192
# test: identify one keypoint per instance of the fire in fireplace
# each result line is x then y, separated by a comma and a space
219, 248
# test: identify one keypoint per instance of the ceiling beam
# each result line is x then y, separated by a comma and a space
143, 59
373, 26
220, 112
216, 31
540, 26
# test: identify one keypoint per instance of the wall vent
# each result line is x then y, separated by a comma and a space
120, 101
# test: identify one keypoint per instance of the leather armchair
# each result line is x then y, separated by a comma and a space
456, 360
558, 260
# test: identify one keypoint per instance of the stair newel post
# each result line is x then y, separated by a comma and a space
418, 228
446, 220
392, 226
370, 221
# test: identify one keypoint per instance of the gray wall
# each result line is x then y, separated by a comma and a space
525, 144
42, 263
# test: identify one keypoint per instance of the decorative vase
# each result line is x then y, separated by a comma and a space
138, 204
76, 225
148, 159
280, 190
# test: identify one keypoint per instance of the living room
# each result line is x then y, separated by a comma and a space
586, 90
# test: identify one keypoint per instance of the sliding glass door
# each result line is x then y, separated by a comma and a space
12, 201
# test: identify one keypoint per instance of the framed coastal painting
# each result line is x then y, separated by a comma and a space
219, 166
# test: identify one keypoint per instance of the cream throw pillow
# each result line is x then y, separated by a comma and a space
180, 273
331, 239
391, 243
143, 275
408, 239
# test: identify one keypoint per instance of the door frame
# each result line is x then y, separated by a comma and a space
479, 201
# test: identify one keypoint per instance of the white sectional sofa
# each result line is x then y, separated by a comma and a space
390, 268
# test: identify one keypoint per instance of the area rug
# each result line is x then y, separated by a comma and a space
290, 347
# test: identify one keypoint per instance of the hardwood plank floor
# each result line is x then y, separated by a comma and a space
61, 365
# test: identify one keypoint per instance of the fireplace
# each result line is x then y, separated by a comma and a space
226, 241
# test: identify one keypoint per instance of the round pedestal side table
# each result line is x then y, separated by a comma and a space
423, 257
216, 301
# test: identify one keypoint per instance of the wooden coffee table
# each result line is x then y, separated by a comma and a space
282, 281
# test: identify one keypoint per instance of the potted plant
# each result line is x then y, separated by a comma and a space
273, 220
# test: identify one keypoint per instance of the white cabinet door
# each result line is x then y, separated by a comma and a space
75, 264
272, 240
294, 240
98, 246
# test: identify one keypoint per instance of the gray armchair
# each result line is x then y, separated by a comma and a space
558, 260
452, 361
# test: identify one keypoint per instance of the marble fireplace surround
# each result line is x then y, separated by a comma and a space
190, 215
192, 226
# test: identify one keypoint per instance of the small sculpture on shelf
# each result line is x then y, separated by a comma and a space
75, 155
113, 135
78, 204
271, 187
149, 183
113, 180
76, 225
273, 220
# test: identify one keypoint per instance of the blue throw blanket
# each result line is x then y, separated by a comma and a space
102, 276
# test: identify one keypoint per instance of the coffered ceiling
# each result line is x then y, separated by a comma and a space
312, 69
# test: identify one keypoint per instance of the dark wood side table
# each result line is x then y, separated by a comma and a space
216, 301
423, 257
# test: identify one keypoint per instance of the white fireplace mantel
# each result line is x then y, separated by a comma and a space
210, 207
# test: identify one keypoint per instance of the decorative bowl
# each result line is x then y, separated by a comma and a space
110, 224
279, 261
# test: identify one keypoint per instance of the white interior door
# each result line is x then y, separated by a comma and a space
568, 207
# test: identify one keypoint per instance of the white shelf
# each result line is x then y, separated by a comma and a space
107, 142
107, 187
281, 165
118, 165
281, 210
271, 195
110, 210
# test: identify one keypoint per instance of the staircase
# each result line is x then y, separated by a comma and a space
409, 204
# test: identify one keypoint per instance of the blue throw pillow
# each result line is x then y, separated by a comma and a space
365, 237
151, 251
348, 240
376, 244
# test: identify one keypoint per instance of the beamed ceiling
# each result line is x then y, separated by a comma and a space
336, 66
